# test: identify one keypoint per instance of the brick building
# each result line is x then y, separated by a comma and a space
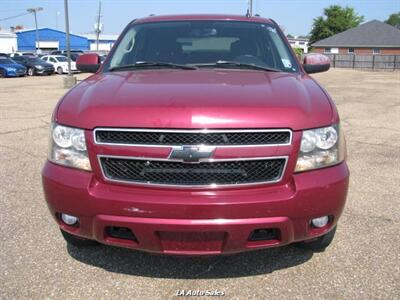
373, 37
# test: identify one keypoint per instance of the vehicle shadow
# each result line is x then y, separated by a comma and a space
138, 263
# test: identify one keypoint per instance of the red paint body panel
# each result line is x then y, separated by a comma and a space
177, 99
316, 59
235, 212
88, 59
196, 221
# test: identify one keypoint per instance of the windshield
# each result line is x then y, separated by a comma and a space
5, 60
204, 44
74, 56
35, 60
62, 58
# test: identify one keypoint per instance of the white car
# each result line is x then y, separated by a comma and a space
60, 63
14, 54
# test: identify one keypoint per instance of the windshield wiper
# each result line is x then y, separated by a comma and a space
151, 64
225, 63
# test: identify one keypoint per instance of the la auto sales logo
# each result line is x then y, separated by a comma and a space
200, 293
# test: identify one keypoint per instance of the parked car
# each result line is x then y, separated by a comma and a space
102, 58
15, 54
199, 135
60, 63
64, 52
4, 55
74, 56
34, 65
74, 53
9, 68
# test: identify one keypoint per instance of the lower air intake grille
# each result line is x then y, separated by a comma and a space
186, 174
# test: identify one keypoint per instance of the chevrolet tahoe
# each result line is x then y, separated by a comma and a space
198, 135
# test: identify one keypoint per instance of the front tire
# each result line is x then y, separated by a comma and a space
2, 74
31, 72
320, 243
77, 241
60, 71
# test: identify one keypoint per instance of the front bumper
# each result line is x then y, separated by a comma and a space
45, 71
196, 222
15, 73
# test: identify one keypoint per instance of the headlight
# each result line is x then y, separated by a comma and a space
39, 67
321, 147
68, 147
11, 69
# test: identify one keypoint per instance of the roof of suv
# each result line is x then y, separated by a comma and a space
197, 17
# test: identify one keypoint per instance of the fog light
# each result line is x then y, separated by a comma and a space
320, 222
68, 219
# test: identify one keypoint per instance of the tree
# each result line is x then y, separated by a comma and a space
289, 36
335, 19
394, 20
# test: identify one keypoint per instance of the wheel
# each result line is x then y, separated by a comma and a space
60, 71
320, 243
2, 74
31, 72
77, 241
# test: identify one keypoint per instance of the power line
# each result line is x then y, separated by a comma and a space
16, 16
8, 10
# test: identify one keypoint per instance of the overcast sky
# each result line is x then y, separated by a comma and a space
294, 15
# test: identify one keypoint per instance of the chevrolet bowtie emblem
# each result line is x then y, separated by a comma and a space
191, 154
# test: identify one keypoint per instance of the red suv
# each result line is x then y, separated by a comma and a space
199, 135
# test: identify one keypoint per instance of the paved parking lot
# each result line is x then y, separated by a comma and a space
363, 261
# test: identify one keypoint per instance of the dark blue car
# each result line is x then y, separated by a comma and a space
9, 68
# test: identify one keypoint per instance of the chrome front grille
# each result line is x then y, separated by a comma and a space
160, 137
191, 161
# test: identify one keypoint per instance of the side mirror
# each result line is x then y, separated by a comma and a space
89, 63
315, 63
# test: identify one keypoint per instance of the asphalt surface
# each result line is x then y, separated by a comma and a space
362, 263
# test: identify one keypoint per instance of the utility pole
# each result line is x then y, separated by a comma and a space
250, 8
98, 27
70, 80
34, 12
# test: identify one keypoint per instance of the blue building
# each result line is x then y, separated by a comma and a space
106, 41
49, 39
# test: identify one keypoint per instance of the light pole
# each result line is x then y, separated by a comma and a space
57, 14
69, 80
251, 8
98, 27
34, 11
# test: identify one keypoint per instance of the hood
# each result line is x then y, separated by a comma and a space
44, 64
206, 98
37, 63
